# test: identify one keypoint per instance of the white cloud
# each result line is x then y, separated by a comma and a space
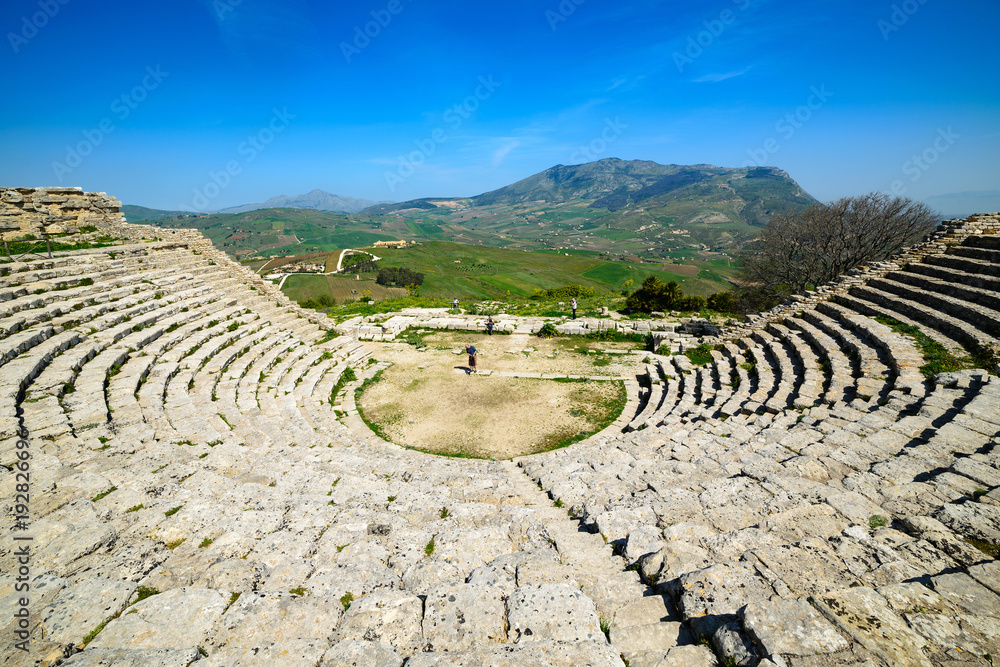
501, 153
715, 77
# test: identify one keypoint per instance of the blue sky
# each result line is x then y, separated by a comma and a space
211, 103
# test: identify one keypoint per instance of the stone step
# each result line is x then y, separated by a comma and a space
958, 271
954, 333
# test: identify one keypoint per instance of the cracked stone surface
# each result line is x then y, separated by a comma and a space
807, 498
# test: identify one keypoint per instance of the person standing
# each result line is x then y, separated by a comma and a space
471, 350
573, 303
454, 303
489, 325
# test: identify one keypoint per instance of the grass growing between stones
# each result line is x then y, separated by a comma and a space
988, 548
700, 355
346, 377
104, 494
143, 592
937, 358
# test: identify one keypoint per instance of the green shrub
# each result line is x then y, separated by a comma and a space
399, 276
548, 330
723, 302
700, 355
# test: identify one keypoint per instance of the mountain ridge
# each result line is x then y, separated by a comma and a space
316, 199
684, 192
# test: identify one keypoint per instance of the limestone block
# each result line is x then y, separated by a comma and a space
855, 507
120, 657
977, 520
865, 616
790, 627
908, 597
355, 578
44, 589
988, 574
177, 619
131, 561
185, 565
467, 549
83, 606
688, 656
721, 589
67, 535
541, 654
672, 560
660, 637
647, 610
258, 619
493, 576
281, 654
809, 521
810, 567
462, 616
393, 617
644, 540
420, 577
734, 647
280, 547
966, 593
356, 653
552, 611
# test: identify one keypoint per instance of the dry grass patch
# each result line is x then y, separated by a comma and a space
427, 401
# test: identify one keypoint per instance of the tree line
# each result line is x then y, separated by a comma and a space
796, 252
397, 276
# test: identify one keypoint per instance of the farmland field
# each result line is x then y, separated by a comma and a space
473, 272
301, 287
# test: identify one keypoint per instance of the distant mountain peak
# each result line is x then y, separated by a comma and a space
683, 192
316, 199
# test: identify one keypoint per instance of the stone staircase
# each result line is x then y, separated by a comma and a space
203, 490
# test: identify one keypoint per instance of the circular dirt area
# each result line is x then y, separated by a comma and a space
428, 400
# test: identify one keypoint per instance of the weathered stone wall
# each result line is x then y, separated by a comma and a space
34, 212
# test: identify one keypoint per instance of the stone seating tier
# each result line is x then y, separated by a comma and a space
806, 498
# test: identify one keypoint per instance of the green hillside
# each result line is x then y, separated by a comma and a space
137, 213
279, 232
615, 206
481, 272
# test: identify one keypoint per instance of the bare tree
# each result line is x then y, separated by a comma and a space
798, 251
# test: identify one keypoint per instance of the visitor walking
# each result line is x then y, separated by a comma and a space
471, 350
454, 303
489, 324
573, 303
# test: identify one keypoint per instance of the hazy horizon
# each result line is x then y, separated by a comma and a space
241, 100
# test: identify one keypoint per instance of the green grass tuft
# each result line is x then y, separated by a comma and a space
700, 355
104, 494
